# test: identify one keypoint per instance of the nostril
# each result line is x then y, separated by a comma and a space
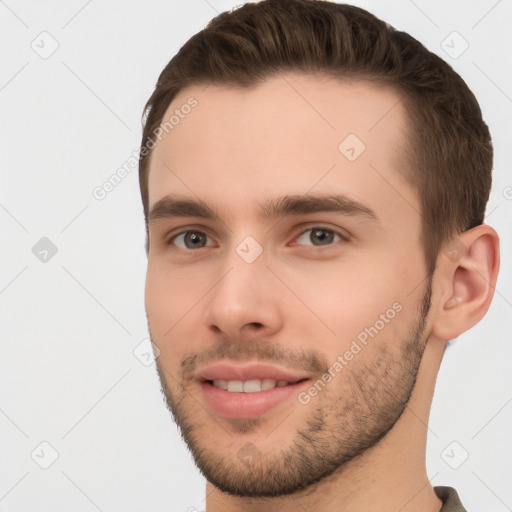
257, 324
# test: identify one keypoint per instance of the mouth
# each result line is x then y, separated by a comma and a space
251, 386
249, 391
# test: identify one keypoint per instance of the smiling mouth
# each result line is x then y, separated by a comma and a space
250, 386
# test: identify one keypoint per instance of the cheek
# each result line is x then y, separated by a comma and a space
158, 298
350, 297
168, 309
169, 297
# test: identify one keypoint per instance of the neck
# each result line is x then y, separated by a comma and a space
389, 477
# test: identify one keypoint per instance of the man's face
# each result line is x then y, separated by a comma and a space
310, 310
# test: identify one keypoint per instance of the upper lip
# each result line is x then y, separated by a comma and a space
248, 371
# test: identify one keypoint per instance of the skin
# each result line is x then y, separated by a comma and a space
299, 305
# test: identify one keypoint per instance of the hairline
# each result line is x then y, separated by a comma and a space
405, 156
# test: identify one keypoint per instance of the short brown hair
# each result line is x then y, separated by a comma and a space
449, 150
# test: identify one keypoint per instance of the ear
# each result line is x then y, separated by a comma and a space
465, 280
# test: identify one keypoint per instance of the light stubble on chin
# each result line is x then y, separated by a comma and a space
351, 414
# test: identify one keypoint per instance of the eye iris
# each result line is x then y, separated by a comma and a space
194, 239
322, 235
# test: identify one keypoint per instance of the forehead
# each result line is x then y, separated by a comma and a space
291, 134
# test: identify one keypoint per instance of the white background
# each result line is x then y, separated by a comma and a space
68, 375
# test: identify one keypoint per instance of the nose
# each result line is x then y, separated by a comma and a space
245, 301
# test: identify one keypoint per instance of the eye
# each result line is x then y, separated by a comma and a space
319, 236
190, 240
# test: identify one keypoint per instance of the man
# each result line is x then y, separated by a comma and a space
314, 186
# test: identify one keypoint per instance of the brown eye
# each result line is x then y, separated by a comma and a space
190, 240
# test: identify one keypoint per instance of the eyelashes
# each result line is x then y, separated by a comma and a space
197, 239
319, 236
326, 236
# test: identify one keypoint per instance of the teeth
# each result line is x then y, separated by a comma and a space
268, 384
249, 386
222, 384
235, 385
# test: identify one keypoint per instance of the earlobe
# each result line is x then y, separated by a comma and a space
467, 282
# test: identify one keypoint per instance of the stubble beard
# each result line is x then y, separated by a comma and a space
359, 414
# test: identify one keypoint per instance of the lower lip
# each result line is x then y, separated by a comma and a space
247, 405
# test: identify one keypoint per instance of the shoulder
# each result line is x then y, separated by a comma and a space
450, 499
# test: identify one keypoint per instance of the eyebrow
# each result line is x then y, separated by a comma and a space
175, 206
